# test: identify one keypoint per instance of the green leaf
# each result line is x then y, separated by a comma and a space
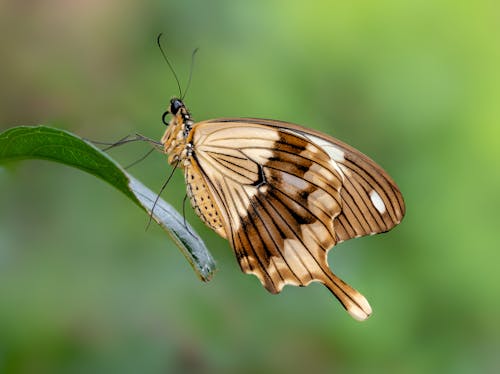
47, 143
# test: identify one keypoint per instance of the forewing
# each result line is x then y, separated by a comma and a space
371, 201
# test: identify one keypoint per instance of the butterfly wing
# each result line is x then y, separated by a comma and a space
371, 201
285, 199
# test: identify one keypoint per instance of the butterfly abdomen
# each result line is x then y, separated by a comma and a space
203, 202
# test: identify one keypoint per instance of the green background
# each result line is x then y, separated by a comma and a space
415, 85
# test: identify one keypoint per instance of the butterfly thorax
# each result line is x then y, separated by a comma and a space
174, 140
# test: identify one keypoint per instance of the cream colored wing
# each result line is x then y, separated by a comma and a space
278, 194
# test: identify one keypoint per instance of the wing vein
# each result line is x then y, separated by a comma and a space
251, 245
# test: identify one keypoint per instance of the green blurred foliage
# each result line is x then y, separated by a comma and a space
415, 85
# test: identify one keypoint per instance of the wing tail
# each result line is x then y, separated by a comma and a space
354, 303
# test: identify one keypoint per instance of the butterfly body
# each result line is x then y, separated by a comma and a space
283, 195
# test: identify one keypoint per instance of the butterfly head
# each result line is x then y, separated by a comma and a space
178, 110
178, 128
176, 105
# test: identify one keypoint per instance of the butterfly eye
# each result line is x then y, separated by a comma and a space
175, 105
163, 118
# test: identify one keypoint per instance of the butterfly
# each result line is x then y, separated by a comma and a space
282, 195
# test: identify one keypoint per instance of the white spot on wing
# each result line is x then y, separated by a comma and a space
337, 155
377, 201
333, 151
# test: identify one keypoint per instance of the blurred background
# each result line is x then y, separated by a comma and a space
415, 85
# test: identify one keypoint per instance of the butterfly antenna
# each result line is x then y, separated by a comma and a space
159, 194
158, 41
190, 73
